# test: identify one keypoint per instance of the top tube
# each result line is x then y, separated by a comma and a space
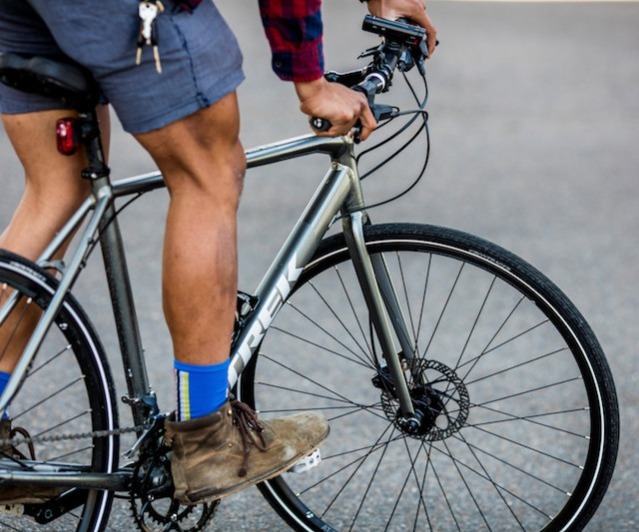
259, 156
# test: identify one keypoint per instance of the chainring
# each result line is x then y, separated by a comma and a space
152, 504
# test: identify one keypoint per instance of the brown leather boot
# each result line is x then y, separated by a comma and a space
230, 450
22, 494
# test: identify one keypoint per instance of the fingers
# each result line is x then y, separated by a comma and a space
359, 112
418, 15
368, 122
431, 32
414, 10
341, 106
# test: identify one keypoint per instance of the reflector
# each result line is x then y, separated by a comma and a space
67, 139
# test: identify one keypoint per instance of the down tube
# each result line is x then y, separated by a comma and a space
289, 263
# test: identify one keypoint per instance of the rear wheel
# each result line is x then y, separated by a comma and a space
519, 414
68, 390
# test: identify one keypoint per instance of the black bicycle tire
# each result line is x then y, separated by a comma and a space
38, 284
603, 447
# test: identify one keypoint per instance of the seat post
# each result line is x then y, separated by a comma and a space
89, 133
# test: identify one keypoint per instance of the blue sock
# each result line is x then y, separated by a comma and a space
4, 380
200, 389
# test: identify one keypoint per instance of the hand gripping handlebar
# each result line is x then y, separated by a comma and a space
404, 46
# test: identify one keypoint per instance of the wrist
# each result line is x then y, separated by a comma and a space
308, 89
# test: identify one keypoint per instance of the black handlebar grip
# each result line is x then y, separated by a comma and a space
319, 124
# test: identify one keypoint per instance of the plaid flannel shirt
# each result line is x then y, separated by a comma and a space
294, 31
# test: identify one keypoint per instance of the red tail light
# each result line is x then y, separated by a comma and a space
67, 138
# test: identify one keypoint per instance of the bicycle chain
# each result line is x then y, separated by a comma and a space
14, 442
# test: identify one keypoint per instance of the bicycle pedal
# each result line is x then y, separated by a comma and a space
12, 509
309, 462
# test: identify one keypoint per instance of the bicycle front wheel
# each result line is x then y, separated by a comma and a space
519, 413
67, 391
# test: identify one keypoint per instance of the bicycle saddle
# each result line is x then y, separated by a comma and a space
56, 79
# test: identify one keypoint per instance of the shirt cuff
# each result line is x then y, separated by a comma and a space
305, 63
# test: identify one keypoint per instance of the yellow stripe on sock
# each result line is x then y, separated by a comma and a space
184, 392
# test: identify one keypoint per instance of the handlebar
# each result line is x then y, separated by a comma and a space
404, 46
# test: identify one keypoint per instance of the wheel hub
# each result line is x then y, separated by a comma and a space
440, 400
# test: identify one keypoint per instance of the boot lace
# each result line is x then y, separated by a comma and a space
9, 450
245, 418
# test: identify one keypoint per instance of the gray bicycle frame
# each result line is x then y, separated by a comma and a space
339, 193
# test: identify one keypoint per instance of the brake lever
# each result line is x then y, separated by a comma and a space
347, 79
384, 112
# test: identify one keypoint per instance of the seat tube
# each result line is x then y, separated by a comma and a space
125, 317
140, 396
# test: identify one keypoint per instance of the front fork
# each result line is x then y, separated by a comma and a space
384, 310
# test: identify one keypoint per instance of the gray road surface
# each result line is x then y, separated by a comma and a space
535, 124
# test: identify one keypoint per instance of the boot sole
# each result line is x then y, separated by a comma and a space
209, 495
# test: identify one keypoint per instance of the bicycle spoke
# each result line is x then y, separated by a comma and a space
423, 298
368, 349
49, 361
443, 490
361, 460
61, 424
499, 329
359, 361
492, 482
528, 447
529, 391
475, 322
508, 464
457, 463
518, 366
337, 318
443, 311
369, 450
305, 377
352, 407
411, 472
405, 292
70, 453
531, 419
50, 396
370, 483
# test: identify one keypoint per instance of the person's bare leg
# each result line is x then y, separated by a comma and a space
54, 189
203, 164
53, 186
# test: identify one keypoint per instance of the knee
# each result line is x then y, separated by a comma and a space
214, 173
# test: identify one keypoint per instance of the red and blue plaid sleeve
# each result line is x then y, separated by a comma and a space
294, 31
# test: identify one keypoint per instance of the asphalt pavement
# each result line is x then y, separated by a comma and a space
534, 117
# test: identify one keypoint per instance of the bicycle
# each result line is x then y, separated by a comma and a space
463, 389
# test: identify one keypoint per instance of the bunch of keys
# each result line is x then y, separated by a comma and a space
148, 35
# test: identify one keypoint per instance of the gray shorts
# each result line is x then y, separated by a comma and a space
201, 60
